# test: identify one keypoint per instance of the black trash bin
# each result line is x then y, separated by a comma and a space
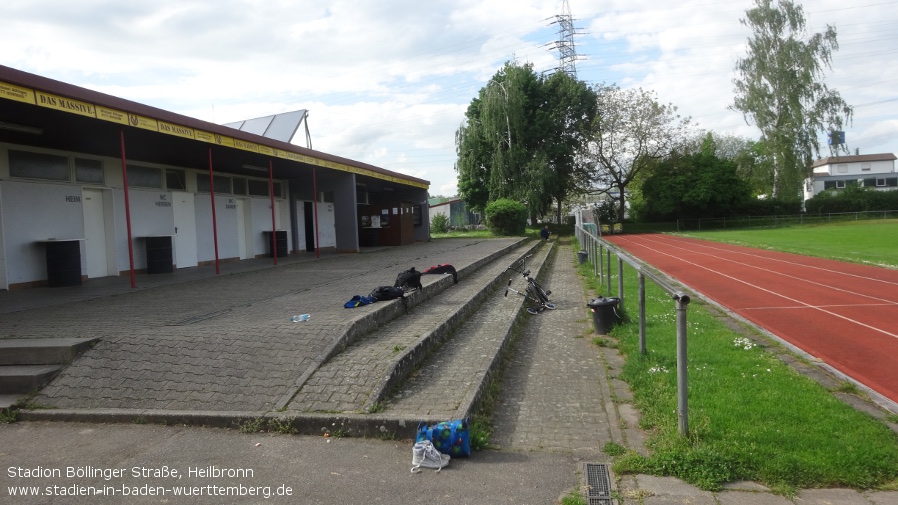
581, 256
604, 314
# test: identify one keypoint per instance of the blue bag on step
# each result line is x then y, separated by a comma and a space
449, 437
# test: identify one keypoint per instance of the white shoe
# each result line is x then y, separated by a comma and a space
426, 455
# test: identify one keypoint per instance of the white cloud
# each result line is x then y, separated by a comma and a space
388, 82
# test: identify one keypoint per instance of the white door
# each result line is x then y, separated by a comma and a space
242, 207
94, 232
185, 229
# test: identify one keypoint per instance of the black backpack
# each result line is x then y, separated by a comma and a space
382, 293
410, 279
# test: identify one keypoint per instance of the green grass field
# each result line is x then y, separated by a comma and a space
868, 242
751, 417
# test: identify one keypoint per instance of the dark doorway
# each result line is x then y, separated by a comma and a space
310, 226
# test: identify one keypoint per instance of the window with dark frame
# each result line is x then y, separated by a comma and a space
175, 180
89, 171
257, 187
31, 165
145, 177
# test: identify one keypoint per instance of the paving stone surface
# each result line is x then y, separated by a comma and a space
551, 397
347, 381
223, 343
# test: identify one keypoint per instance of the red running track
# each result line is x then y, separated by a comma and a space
842, 313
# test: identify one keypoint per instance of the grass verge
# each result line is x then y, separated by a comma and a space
751, 417
867, 242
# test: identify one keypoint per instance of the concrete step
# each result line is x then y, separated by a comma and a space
42, 351
7, 401
383, 357
468, 360
26, 378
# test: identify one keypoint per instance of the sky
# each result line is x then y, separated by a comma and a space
387, 82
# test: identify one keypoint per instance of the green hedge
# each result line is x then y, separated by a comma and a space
852, 199
506, 217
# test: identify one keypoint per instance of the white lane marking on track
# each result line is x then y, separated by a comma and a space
871, 297
799, 302
820, 306
827, 270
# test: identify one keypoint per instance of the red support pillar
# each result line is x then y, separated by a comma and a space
274, 242
127, 209
214, 222
315, 209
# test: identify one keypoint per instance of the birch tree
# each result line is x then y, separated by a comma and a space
780, 89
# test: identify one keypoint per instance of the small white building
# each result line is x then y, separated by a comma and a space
456, 211
838, 172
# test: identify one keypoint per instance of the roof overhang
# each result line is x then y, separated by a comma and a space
42, 112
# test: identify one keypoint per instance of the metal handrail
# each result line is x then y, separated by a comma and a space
595, 246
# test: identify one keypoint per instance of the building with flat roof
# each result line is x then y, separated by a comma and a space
865, 170
93, 185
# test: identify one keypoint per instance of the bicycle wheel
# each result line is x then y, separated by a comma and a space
541, 294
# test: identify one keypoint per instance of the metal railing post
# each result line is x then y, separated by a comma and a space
620, 280
608, 283
641, 314
682, 383
592, 254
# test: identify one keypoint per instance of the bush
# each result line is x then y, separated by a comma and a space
852, 199
506, 217
771, 207
439, 223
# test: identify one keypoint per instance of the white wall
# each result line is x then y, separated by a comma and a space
32, 212
226, 218
856, 168
442, 209
261, 222
327, 233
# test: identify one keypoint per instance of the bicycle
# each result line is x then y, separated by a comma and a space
533, 292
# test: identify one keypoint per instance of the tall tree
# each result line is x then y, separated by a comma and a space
520, 138
780, 88
699, 182
752, 161
568, 111
631, 131
493, 144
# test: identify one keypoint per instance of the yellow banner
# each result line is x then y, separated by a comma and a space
26, 95
268, 151
223, 141
143, 122
65, 104
246, 146
115, 116
204, 136
176, 130
16, 93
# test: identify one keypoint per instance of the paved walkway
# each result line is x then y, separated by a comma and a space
553, 397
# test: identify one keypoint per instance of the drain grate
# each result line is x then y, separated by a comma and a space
598, 484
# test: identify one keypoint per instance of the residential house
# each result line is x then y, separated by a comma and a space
838, 172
